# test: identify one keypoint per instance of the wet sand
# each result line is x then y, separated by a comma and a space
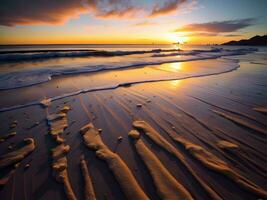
217, 124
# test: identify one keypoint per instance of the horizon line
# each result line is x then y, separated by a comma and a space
101, 44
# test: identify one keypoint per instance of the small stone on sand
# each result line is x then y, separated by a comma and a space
12, 133
27, 166
120, 138
17, 165
139, 105
46, 102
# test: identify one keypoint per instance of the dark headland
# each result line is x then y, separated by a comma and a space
254, 41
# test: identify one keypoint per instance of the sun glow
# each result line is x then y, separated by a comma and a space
177, 38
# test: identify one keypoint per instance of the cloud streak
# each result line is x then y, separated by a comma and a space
113, 8
218, 26
169, 6
145, 23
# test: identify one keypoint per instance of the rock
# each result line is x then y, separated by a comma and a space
120, 138
12, 134
16, 165
27, 166
138, 105
46, 102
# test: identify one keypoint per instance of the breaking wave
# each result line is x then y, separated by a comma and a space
27, 77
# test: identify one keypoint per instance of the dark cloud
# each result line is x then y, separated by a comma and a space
27, 12
31, 12
167, 7
211, 34
120, 8
205, 34
218, 27
113, 8
232, 35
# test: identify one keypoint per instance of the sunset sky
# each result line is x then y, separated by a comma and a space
130, 21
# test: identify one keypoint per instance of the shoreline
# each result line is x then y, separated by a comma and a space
127, 84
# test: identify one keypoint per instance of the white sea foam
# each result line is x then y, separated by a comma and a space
218, 67
11, 79
18, 56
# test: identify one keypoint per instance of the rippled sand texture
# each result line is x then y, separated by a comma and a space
167, 186
200, 138
12, 159
123, 175
57, 124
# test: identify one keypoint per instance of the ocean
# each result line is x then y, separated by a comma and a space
26, 65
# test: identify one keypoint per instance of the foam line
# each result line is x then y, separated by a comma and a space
112, 87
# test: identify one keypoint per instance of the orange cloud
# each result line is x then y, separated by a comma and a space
29, 12
145, 23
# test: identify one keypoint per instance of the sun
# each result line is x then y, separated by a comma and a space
176, 38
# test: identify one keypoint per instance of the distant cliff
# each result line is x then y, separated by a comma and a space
254, 41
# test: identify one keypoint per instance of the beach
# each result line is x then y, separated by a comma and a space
199, 121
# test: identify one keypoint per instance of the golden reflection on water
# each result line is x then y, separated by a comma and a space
171, 67
176, 83
176, 66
